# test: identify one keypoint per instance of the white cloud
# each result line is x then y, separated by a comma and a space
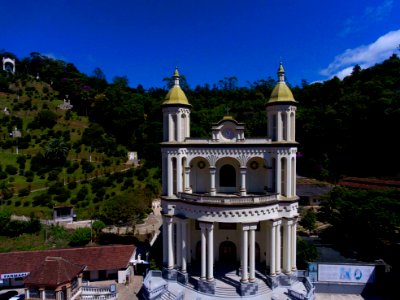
364, 56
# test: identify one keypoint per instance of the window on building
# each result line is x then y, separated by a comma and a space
227, 176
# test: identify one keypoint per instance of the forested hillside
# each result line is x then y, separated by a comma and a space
344, 127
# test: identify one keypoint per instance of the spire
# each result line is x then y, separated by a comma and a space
281, 92
281, 73
176, 77
175, 95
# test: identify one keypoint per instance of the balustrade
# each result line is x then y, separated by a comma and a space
228, 199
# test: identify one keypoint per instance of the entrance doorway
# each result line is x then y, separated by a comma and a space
227, 252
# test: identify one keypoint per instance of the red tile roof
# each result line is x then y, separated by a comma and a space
95, 258
53, 271
369, 183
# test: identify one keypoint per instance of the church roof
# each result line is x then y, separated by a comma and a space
281, 92
176, 96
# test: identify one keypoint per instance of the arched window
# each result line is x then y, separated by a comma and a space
227, 176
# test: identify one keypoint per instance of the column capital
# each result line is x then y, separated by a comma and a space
206, 225
249, 226
287, 221
274, 223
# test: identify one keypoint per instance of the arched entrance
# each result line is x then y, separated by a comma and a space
227, 252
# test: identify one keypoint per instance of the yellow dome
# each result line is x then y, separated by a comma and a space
281, 92
176, 95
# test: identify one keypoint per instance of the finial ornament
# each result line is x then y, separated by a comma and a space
281, 73
176, 77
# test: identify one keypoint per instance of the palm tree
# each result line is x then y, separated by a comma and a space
56, 151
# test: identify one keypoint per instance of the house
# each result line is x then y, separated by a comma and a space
103, 262
311, 191
54, 278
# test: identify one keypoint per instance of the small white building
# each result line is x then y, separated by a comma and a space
229, 201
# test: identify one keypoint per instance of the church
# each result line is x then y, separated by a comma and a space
229, 201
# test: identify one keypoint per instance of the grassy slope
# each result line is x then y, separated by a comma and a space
44, 96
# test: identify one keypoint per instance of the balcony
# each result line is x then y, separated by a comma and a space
229, 199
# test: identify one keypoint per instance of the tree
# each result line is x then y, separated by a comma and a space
97, 227
309, 220
99, 74
81, 236
44, 119
56, 151
306, 252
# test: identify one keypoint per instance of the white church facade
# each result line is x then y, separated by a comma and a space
229, 201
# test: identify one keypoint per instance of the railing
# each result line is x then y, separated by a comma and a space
99, 297
228, 199
91, 290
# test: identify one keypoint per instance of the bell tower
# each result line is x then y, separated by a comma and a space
281, 111
176, 113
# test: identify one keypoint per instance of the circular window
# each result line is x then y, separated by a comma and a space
254, 165
201, 164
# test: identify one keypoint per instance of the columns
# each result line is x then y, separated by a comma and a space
293, 162
288, 126
289, 178
278, 174
203, 251
248, 252
244, 254
278, 247
294, 245
179, 174
187, 188
170, 176
171, 128
213, 191
207, 247
184, 224
178, 243
287, 245
274, 227
210, 248
179, 127
272, 259
170, 265
243, 172
252, 255
26, 290
42, 293
279, 126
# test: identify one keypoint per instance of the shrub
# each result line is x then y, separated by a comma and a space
81, 237
72, 168
43, 199
53, 175
82, 193
11, 170
72, 185
23, 192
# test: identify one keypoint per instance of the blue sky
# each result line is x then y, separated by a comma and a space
208, 40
